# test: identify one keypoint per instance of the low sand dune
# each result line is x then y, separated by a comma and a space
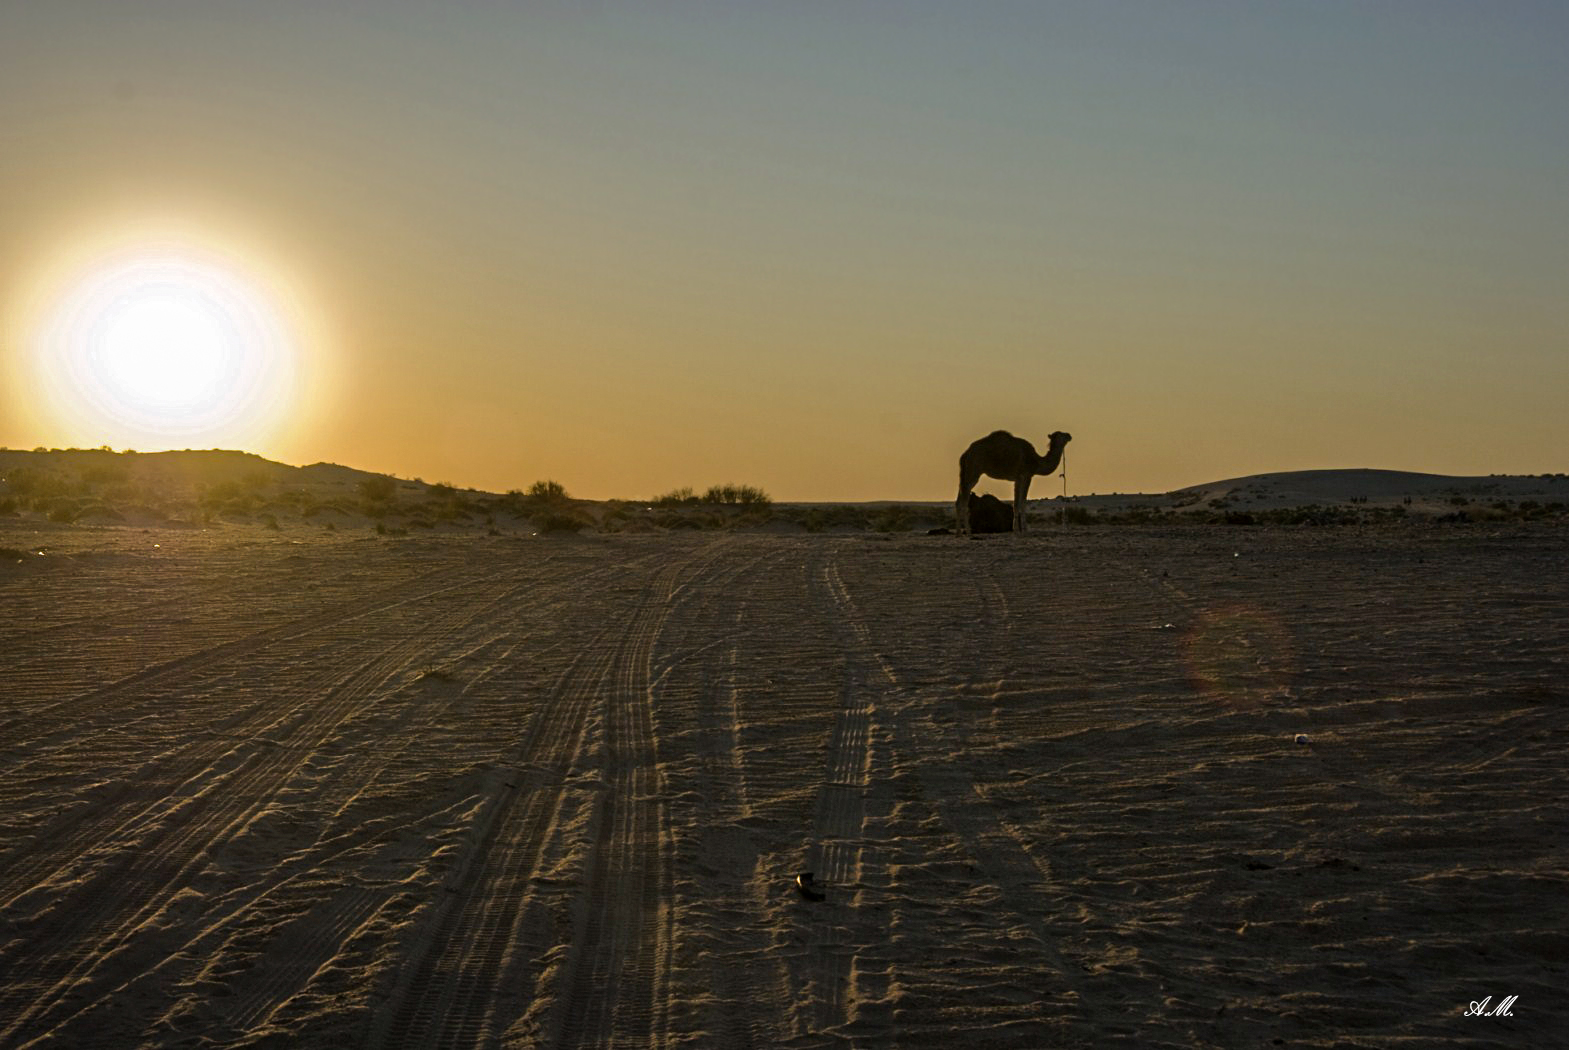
1290, 488
484, 791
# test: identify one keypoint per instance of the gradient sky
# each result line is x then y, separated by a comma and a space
819, 248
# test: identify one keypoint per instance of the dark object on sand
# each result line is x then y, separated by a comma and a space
990, 514
808, 887
987, 514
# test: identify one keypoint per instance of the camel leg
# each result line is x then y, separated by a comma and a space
1021, 492
961, 506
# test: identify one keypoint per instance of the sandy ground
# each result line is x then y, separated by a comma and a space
310, 790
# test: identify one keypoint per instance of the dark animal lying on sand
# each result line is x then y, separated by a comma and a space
987, 514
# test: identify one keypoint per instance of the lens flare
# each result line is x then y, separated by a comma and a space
167, 345
1240, 655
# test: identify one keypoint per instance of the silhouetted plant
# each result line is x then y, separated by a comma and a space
744, 495
676, 498
551, 491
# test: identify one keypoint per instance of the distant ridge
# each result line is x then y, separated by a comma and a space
1333, 481
187, 466
183, 473
1371, 485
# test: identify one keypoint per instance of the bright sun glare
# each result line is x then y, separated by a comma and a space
168, 346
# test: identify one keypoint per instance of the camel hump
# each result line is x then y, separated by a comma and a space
998, 434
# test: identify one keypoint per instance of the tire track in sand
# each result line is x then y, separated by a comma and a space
844, 934
168, 778
613, 987
947, 783
499, 943
149, 863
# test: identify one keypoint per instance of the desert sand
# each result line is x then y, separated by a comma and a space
1157, 786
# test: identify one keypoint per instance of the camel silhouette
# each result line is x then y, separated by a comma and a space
1002, 456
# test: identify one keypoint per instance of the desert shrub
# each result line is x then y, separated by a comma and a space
379, 489
7, 505
676, 498
561, 521
549, 491
744, 495
270, 522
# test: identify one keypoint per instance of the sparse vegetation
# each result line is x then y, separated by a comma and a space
547, 491
738, 495
561, 521
379, 490
676, 498
212, 488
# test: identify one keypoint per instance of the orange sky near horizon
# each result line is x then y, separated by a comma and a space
820, 250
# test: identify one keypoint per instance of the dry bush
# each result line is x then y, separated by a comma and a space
744, 495
547, 491
561, 521
676, 498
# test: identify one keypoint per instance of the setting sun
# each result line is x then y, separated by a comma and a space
162, 345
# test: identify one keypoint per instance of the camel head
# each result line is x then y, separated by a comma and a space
1053, 456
